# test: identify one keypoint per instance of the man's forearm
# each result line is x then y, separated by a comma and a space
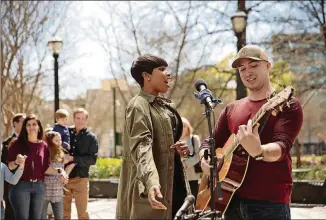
272, 152
84, 161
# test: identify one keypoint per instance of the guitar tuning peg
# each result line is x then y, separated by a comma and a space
274, 112
281, 108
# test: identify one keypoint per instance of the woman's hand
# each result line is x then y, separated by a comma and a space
21, 160
154, 192
182, 148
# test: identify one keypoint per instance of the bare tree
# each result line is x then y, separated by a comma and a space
25, 27
179, 32
316, 13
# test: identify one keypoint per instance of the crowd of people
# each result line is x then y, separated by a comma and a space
47, 166
161, 158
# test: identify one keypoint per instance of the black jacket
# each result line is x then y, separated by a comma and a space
84, 149
4, 157
5, 145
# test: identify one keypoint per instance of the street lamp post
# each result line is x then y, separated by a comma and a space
239, 23
114, 121
55, 45
323, 32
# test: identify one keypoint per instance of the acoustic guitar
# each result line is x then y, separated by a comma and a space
234, 159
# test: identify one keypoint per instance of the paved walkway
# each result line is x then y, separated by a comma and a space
105, 209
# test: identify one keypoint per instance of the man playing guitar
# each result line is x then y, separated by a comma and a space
265, 191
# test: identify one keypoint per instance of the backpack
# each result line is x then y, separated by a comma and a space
197, 165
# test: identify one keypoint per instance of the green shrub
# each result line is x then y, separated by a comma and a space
105, 168
323, 159
317, 173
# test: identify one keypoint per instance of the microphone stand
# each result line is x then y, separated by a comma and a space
214, 177
213, 167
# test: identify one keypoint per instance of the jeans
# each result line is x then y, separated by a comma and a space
27, 199
57, 208
2, 211
248, 209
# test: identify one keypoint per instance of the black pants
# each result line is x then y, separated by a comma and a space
194, 187
9, 211
179, 187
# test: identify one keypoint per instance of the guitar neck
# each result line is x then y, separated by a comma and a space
236, 143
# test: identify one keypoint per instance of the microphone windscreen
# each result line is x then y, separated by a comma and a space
200, 82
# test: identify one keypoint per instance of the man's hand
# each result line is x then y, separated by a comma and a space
249, 139
64, 180
154, 192
181, 148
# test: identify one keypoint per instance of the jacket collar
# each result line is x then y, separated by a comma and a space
82, 131
151, 98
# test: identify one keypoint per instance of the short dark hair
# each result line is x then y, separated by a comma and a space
17, 117
145, 63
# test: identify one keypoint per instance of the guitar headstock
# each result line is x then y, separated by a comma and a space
277, 102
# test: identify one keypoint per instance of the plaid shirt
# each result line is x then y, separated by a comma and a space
53, 185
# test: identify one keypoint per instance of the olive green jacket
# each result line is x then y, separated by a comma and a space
147, 158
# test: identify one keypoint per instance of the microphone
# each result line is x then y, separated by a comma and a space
189, 200
205, 94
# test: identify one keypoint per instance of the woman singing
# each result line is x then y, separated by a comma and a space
152, 184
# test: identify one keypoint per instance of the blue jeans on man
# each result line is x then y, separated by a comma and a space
249, 209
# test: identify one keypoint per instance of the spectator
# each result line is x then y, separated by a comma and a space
27, 196
7, 175
83, 152
17, 122
54, 183
190, 162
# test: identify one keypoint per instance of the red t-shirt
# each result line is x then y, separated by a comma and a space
264, 180
37, 161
